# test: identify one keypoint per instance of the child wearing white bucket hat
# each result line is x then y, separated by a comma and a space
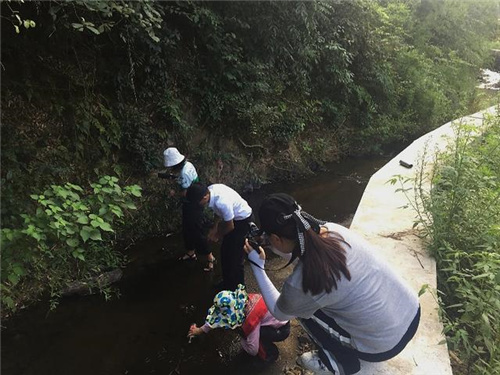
192, 215
184, 170
247, 313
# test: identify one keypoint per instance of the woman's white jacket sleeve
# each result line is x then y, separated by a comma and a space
267, 288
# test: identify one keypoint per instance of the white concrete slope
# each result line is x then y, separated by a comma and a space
382, 220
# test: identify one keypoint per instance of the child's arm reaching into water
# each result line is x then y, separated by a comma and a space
194, 330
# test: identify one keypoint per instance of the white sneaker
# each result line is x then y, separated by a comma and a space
312, 362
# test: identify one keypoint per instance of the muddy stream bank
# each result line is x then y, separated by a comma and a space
144, 331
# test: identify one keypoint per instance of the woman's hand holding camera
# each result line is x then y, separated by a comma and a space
248, 249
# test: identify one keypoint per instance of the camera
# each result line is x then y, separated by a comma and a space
253, 236
167, 175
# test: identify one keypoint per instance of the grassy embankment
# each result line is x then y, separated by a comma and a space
460, 214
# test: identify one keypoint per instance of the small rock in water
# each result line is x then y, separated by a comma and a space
84, 288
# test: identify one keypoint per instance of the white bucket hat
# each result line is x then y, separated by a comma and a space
172, 157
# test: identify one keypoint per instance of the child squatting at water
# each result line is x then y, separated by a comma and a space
247, 313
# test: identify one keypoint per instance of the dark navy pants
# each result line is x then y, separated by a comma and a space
232, 255
334, 346
193, 229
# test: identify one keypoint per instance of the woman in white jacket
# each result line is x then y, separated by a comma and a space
351, 303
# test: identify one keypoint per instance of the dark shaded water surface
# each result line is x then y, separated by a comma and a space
144, 331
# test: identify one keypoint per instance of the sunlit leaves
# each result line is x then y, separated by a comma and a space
67, 225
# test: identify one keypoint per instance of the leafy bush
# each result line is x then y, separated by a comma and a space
461, 216
68, 236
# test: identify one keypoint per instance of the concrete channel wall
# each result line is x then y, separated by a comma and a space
382, 220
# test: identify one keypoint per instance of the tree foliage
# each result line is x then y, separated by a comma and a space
93, 88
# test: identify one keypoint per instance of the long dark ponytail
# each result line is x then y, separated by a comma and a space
323, 258
323, 262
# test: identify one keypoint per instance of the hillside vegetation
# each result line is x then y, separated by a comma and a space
92, 92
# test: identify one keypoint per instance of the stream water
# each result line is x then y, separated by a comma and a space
144, 331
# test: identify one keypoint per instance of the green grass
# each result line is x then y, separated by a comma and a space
461, 217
